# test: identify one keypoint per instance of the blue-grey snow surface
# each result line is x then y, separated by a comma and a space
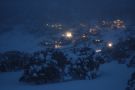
113, 76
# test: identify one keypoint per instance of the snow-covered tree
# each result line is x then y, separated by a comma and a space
131, 82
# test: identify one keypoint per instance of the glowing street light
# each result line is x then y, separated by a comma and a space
68, 34
110, 44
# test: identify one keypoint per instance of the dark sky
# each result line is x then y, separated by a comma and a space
19, 11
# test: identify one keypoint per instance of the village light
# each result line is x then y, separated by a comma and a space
68, 34
110, 44
119, 23
47, 24
98, 50
84, 36
57, 46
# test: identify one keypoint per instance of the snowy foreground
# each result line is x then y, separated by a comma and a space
112, 76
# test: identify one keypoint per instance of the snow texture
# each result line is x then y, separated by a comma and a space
113, 76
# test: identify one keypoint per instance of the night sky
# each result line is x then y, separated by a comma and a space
21, 11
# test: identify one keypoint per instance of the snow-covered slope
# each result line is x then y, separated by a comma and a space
18, 39
113, 76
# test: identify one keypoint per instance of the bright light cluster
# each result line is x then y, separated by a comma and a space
85, 32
